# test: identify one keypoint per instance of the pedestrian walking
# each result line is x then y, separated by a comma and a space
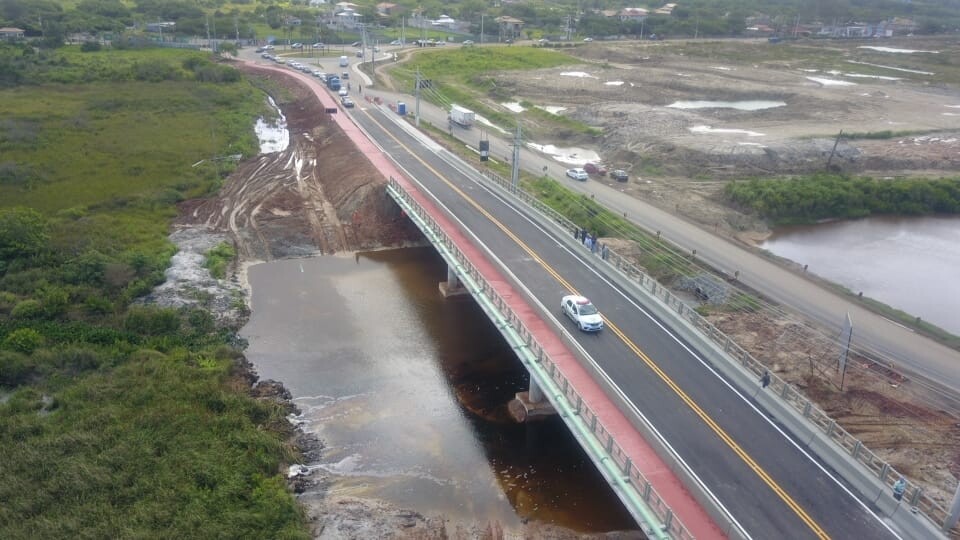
594, 246
589, 243
604, 252
765, 379
360, 88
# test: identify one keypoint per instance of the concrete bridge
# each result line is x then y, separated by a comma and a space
671, 412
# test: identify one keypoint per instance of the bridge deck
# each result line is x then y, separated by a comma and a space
670, 488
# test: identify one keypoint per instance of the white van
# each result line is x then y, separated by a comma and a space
344, 62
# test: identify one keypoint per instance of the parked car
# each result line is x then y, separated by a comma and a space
468, 42
318, 45
595, 168
356, 44
620, 175
396, 42
578, 174
297, 46
587, 39
582, 312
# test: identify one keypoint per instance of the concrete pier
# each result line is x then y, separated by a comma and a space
452, 286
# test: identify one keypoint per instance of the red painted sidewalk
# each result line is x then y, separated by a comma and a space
668, 486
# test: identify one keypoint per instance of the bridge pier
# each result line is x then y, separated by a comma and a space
530, 405
452, 286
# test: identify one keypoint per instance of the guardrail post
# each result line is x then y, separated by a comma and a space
830, 427
626, 466
856, 449
668, 520
884, 472
916, 496
806, 409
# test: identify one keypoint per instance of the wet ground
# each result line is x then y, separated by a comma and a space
407, 391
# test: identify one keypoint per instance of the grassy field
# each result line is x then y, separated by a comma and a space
465, 75
119, 420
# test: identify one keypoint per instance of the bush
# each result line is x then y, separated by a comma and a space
90, 46
27, 309
15, 368
219, 258
24, 340
151, 321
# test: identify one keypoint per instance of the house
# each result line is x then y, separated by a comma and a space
633, 14
386, 9
161, 27
11, 34
348, 18
292, 21
345, 6
667, 9
317, 3
444, 21
509, 26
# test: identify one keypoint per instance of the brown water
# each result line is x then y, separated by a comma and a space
408, 392
912, 264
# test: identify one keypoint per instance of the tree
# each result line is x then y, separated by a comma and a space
23, 233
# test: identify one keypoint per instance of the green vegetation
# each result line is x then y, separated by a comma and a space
823, 196
466, 76
119, 420
656, 257
218, 259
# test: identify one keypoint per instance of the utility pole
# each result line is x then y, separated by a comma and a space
481, 28
834, 151
417, 102
207, 25
515, 169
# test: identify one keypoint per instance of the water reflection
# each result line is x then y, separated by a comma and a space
908, 263
407, 391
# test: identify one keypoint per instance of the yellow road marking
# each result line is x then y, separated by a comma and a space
740, 452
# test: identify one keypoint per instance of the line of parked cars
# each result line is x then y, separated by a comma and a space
583, 173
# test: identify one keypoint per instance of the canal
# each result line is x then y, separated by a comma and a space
408, 391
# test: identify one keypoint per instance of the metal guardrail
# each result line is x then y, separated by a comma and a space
914, 494
643, 489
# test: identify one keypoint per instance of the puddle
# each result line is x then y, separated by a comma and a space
905, 70
724, 131
831, 82
273, 136
489, 124
952, 106
925, 139
568, 156
751, 144
613, 83
552, 109
950, 114
879, 77
810, 70
682, 75
892, 50
723, 68
748, 105
514, 107
580, 74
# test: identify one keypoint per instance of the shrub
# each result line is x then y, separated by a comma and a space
24, 340
218, 258
151, 321
90, 46
23, 232
15, 368
27, 309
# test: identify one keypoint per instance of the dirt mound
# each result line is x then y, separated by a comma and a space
319, 195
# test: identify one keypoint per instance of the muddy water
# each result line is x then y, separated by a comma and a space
908, 263
407, 392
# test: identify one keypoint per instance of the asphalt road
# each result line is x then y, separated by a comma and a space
766, 480
874, 333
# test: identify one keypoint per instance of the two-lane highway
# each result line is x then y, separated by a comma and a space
764, 479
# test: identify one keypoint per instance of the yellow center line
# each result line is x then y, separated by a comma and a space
726, 438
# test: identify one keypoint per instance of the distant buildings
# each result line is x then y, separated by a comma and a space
11, 34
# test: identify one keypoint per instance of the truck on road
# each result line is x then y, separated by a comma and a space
462, 116
333, 82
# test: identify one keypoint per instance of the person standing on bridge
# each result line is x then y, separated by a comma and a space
765, 379
899, 487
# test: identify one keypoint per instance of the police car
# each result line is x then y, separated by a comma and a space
582, 312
